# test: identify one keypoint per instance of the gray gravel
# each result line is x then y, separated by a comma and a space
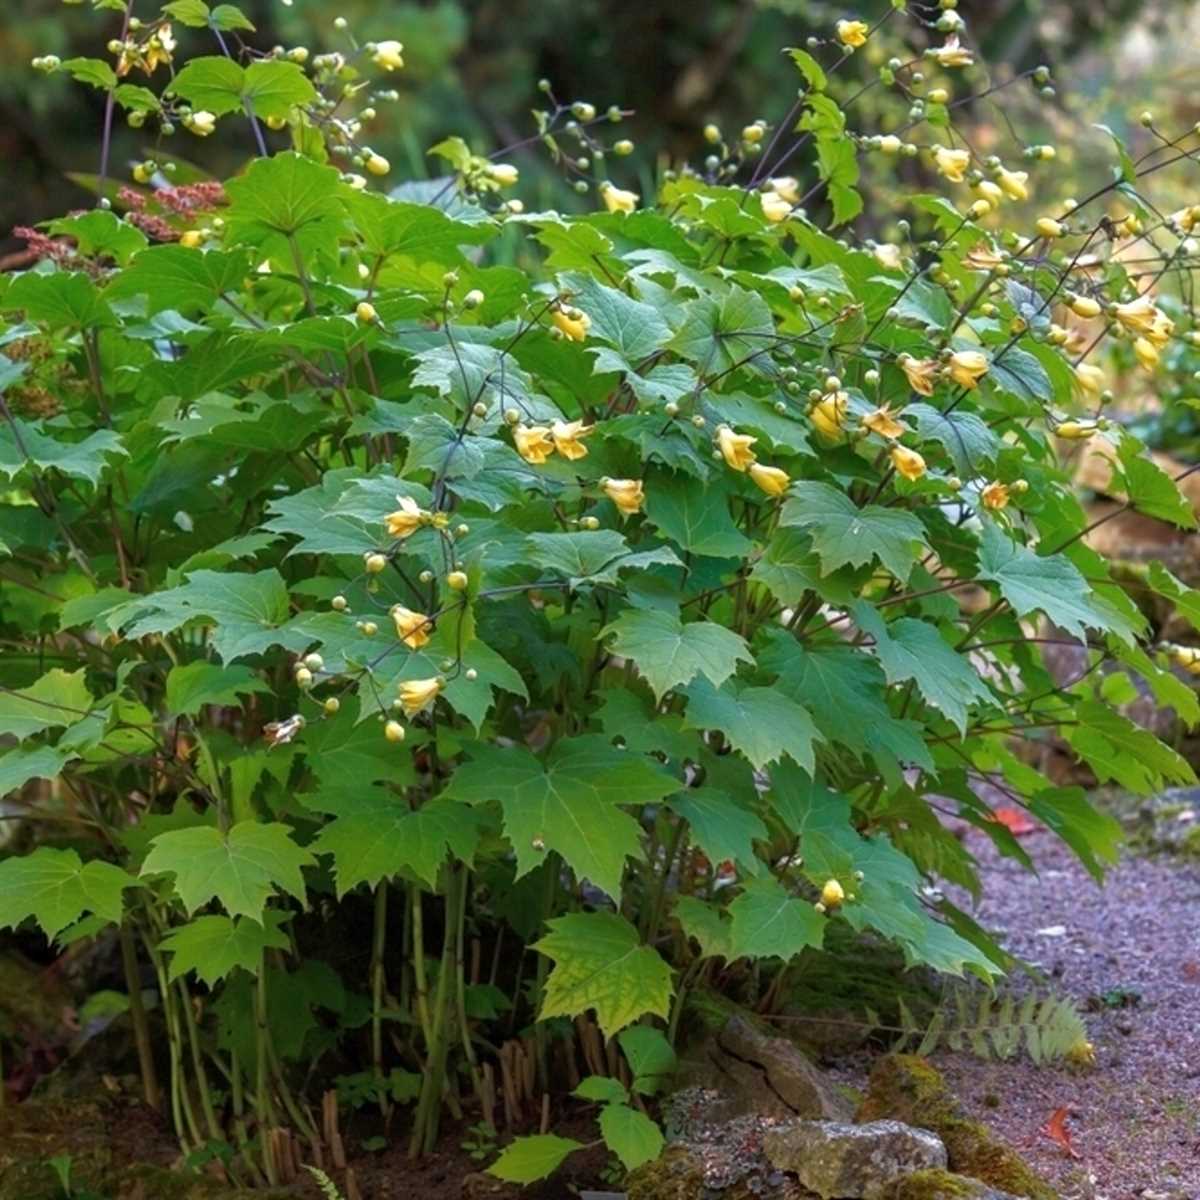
1136, 1115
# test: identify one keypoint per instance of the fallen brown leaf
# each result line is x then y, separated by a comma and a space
1056, 1130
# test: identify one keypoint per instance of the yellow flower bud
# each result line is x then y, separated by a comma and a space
394, 731
457, 581
832, 894
191, 238
575, 328
1048, 227
388, 55
505, 174
377, 164
365, 312
1085, 306
771, 480
908, 463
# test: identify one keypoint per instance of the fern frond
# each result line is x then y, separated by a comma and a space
329, 1189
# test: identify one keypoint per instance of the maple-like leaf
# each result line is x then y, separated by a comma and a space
213, 945
55, 887
241, 868
600, 964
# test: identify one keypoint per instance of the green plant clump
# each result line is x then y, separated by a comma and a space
616, 600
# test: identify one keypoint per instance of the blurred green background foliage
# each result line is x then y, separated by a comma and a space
472, 68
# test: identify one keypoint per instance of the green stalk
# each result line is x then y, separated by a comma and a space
263, 1104
425, 1125
377, 990
137, 1013
655, 908
206, 1103
418, 962
543, 969
460, 980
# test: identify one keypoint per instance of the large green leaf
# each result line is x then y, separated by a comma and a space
569, 803
720, 826
600, 965
213, 946
910, 649
24, 444
58, 698
1031, 582
630, 1135
192, 686
769, 922
669, 653
694, 515
843, 533
241, 868
56, 888
760, 722
376, 835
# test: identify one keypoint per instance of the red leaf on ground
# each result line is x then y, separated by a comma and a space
1056, 1130
1191, 970
1014, 820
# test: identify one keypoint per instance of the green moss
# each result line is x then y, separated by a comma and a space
934, 1184
676, 1175
906, 1088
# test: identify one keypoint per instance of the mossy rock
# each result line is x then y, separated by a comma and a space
938, 1184
905, 1087
679, 1175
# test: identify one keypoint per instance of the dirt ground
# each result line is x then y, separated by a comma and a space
1130, 953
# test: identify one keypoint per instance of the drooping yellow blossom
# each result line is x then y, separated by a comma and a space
201, 123
1146, 352
627, 494
1076, 431
505, 174
771, 480
388, 55
415, 694
993, 193
412, 628
920, 372
407, 519
159, 48
1014, 183
1142, 316
953, 54
568, 438
1187, 218
967, 367
1187, 657
1085, 306
883, 423
575, 328
995, 495
829, 413
952, 164
889, 255
786, 186
853, 33
191, 238
618, 199
735, 447
775, 208
1090, 379
908, 462
533, 442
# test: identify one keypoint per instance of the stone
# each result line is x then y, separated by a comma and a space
937, 1184
758, 1072
905, 1087
852, 1162
479, 1185
689, 1172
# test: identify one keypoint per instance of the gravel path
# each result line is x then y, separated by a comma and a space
1135, 1118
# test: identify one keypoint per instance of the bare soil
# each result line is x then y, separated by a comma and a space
1129, 952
